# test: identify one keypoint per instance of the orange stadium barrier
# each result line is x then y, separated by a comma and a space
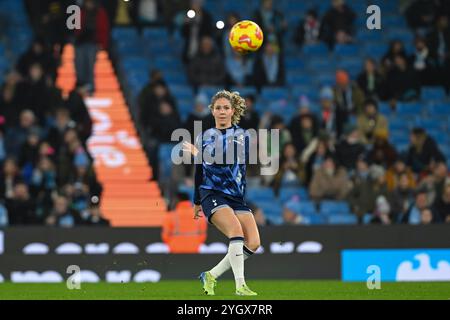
129, 197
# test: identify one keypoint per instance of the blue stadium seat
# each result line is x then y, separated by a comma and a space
384, 108
261, 106
260, 194
319, 49
315, 108
433, 94
155, 34
320, 65
402, 34
438, 110
366, 36
343, 219
409, 109
301, 207
325, 79
294, 63
164, 153
346, 50
124, 33
185, 107
401, 142
181, 92
390, 7
245, 91
291, 50
155, 51
175, 78
314, 219
322, 6
367, 218
353, 67
236, 6
441, 137
289, 6
19, 47
286, 194
308, 90
350, 63
431, 123
375, 50
135, 63
128, 50
282, 108
274, 93
398, 123
4, 221
126, 42
275, 220
357, 6
296, 78
137, 76
393, 20
446, 151
4, 64
209, 91
272, 210
167, 63
334, 207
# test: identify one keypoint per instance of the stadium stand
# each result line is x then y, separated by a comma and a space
143, 57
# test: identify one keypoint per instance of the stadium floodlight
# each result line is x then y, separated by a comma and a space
191, 14
220, 24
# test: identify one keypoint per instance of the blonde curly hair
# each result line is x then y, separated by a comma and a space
237, 103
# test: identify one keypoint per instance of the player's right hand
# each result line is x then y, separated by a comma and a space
189, 147
197, 211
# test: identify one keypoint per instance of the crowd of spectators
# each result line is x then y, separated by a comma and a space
343, 151
47, 175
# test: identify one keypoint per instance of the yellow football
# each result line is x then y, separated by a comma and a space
246, 36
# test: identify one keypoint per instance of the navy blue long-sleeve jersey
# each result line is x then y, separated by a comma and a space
228, 176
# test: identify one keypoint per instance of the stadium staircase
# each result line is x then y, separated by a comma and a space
129, 197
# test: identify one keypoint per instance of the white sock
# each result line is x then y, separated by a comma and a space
224, 264
236, 258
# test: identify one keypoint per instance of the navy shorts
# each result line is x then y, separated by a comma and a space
211, 201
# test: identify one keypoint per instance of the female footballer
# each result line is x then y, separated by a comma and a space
220, 189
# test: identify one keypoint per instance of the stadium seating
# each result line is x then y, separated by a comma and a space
314, 219
302, 207
411, 109
245, 91
329, 208
307, 69
316, 50
439, 110
287, 194
433, 94
260, 194
342, 219
164, 153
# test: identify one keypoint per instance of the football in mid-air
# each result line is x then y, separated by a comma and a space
246, 36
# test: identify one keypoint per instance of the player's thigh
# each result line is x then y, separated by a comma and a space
225, 220
250, 229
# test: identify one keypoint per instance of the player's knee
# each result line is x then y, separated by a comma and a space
253, 244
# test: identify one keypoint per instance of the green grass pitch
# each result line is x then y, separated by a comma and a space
191, 290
